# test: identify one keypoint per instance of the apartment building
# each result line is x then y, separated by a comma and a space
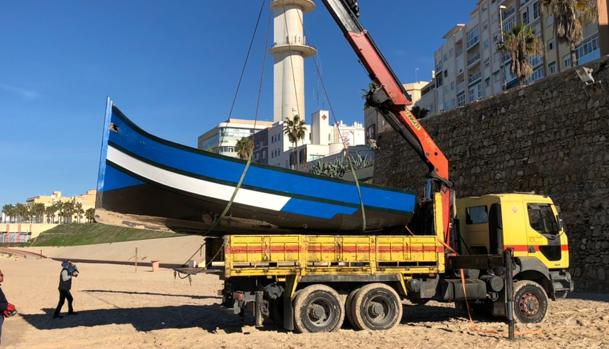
469, 66
223, 138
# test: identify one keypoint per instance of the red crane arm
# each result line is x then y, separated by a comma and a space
391, 99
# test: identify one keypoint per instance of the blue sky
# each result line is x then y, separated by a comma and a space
172, 67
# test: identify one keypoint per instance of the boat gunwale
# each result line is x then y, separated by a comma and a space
243, 162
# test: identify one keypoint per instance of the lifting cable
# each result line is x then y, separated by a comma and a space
249, 160
345, 148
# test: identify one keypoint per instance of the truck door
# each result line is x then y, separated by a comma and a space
543, 233
495, 229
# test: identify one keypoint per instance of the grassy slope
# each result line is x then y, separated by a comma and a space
95, 233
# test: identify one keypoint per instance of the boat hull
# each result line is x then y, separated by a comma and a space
145, 181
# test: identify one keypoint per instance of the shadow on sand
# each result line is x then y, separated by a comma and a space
154, 294
589, 296
208, 317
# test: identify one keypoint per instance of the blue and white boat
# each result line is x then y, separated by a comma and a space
146, 181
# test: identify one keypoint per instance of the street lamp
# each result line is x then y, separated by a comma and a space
502, 44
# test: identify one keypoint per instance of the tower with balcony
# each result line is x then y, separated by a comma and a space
289, 50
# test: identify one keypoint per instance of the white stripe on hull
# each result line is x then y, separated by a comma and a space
195, 185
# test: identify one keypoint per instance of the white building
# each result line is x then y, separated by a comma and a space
223, 138
321, 139
469, 65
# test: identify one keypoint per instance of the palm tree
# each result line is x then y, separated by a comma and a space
9, 211
21, 211
245, 148
570, 16
60, 211
90, 215
521, 44
49, 211
68, 211
78, 211
37, 211
295, 130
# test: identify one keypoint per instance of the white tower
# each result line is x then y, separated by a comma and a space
289, 51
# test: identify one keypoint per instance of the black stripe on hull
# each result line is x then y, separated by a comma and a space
186, 212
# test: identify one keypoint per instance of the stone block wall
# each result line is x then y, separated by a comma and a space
551, 137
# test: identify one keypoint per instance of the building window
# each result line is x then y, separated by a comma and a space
508, 25
535, 61
461, 99
567, 60
550, 45
473, 93
538, 73
473, 36
587, 47
525, 16
552, 67
536, 10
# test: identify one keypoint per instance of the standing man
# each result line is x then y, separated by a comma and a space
6, 309
65, 284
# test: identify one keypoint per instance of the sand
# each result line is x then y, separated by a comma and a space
121, 308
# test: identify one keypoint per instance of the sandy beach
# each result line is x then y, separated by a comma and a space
121, 308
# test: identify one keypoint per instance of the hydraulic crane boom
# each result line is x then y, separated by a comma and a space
391, 99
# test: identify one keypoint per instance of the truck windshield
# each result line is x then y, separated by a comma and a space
542, 219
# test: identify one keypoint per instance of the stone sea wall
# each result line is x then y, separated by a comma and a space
551, 137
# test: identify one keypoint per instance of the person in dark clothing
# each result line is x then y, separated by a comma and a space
6, 309
68, 270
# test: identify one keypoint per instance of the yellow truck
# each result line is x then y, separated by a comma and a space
506, 254
311, 283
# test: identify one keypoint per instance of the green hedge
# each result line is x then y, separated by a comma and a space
94, 233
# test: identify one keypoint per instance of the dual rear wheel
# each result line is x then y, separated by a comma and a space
319, 308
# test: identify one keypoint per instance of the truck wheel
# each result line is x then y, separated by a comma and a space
349, 307
530, 302
376, 307
318, 308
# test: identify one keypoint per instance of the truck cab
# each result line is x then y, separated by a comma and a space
529, 224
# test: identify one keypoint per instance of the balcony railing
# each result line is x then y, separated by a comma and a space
293, 40
507, 13
473, 42
474, 59
475, 77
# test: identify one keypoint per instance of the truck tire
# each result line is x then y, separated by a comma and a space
318, 308
376, 307
349, 307
530, 302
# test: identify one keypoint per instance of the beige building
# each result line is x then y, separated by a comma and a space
11, 232
469, 65
87, 200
